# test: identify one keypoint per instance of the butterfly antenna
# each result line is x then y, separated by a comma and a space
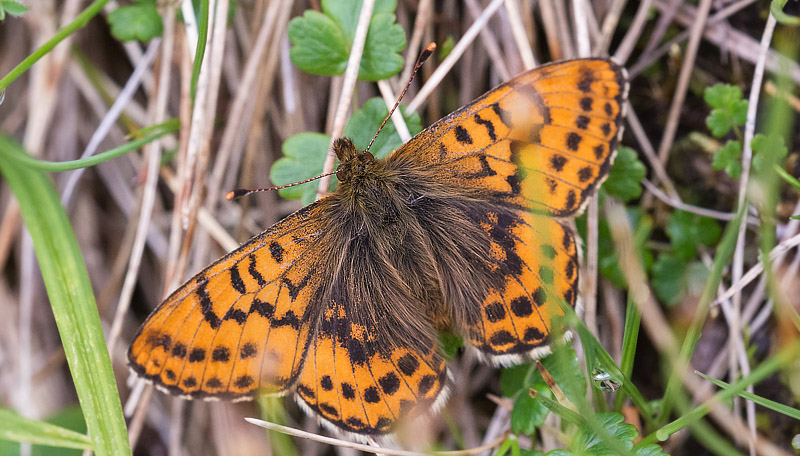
240, 192
423, 56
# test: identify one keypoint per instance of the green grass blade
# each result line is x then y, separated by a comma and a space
72, 301
772, 405
630, 338
77, 24
17, 428
723, 254
160, 130
766, 369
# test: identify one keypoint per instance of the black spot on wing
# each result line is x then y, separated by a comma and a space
236, 280
252, 269
462, 135
486, 124
205, 304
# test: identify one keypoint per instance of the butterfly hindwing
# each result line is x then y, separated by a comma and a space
358, 388
536, 261
242, 323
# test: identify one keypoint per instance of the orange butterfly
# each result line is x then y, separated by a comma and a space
458, 230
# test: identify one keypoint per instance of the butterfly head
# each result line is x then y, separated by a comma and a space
355, 164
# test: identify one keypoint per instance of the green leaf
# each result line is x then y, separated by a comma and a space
728, 158
722, 96
321, 42
625, 179
381, 58
17, 428
687, 231
136, 22
729, 108
771, 146
71, 300
318, 44
528, 413
669, 278
587, 442
345, 13
513, 379
13, 8
649, 450
304, 153
365, 122
447, 47
303, 157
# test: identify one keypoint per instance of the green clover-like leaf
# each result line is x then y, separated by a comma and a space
769, 147
136, 22
303, 157
729, 108
321, 42
625, 179
318, 44
728, 158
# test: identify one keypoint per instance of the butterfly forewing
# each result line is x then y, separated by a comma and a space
543, 141
242, 323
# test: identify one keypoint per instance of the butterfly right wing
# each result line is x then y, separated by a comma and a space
242, 324
543, 141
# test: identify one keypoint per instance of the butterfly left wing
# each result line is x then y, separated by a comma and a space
242, 324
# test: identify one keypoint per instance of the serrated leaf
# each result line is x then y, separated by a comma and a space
624, 180
318, 44
586, 442
722, 96
135, 22
669, 278
303, 157
345, 13
13, 8
381, 58
649, 450
566, 371
727, 156
729, 108
719, 122
322, 46
528, 414
365, 122
771, 144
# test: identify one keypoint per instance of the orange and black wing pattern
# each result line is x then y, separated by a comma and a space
532, 150
366, 391
240, 325
543, 141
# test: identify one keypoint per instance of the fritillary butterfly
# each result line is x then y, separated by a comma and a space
461, 229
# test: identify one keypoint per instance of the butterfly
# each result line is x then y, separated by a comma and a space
462, 229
